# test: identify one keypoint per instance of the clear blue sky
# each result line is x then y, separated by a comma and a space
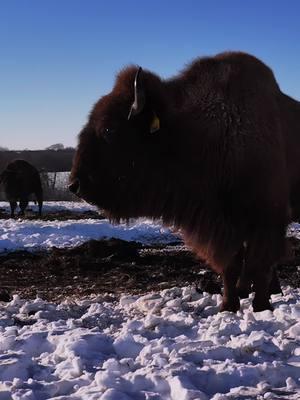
58, 57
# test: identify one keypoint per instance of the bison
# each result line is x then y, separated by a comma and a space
214, 152
20, 179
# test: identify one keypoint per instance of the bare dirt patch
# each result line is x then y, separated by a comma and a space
114, 266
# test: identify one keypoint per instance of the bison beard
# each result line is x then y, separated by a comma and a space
20, 179
213, 152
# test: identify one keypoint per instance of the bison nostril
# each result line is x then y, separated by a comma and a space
74, 187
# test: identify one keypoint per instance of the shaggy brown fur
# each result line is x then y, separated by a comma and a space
224, 167
20, 179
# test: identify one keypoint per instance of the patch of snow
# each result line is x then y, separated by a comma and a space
38, 234
169, 345
16, 234
294, 230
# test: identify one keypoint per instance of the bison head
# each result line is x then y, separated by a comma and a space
123, 157
7, 176
9, 180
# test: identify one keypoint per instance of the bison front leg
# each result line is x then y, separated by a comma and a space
244, 285
230, 276
13, 206
265, 283
39, 197
266, 248
261, 283
23, 205
275, 287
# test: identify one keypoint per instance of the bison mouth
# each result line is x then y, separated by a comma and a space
106, 195
89, 193
80, 190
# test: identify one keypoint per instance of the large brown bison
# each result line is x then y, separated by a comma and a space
21, 179
214, 151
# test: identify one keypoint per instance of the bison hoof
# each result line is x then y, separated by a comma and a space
243, 293
232, 306
261, 306
275, 290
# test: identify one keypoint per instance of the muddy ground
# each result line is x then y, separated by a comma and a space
113, 266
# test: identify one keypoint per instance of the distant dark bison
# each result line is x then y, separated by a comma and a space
214, 152
20, 179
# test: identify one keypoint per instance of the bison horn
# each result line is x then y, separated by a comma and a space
139, 96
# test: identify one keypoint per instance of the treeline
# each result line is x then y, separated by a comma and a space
54, 167
44, 160
55, 186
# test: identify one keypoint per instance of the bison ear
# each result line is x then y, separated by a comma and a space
155, 124
139, 95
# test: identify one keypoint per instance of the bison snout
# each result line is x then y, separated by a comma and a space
74, 187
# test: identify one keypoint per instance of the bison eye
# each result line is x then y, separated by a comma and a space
109, 134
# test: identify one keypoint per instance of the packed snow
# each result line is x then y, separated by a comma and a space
169, 345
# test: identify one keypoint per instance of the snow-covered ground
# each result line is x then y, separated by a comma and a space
20, 234
169, 345
39, 234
